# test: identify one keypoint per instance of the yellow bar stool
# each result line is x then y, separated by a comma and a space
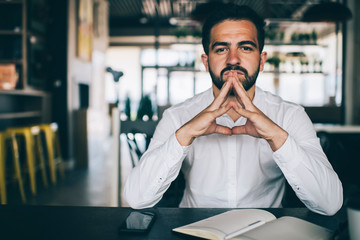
58, 160
2, 169
39, 159
53, 149
11, 138
12, 133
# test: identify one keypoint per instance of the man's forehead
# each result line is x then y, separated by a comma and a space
230, 28
243, 24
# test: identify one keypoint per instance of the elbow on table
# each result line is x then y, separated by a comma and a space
331, 210
137, 204
135, 201
332, 205
335, 206
337, 201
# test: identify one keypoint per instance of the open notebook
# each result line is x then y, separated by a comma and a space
254, 224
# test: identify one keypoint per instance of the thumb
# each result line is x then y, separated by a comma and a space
223, 130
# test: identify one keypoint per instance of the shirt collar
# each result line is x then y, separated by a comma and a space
257, 97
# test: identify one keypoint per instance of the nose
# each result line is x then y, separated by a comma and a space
233, 57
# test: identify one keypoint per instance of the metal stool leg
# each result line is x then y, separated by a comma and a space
50, 150
2, 170
53, 147
54, 128
15, 150
30, 159
35, 131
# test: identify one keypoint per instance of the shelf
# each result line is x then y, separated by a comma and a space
176, 68
283, 72
10, 32
9, 61
293, 44
21, 92
25, 104
20, 115
11, 1
183, 69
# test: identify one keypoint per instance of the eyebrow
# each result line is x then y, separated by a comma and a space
239, 44
215, 44
248, 42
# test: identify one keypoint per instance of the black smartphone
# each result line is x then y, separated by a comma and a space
137, 222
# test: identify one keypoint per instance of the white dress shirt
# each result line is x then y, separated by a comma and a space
237, 171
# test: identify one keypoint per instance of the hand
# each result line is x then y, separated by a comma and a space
257, 124
205, 122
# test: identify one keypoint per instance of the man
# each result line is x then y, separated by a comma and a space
235, 144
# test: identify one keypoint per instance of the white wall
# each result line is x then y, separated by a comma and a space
91, 73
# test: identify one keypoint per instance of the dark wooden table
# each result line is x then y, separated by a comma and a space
65, 222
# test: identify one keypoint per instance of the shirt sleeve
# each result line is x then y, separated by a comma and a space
307, 169
158, 167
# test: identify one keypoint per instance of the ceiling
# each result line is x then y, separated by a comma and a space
145, 17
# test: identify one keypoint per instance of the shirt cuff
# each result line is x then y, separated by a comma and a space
287, 155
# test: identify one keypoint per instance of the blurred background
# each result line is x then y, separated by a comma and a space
83, 83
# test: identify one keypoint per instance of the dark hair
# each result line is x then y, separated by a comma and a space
235, 12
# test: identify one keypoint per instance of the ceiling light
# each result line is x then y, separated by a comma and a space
177, 21
143, 20
327, 12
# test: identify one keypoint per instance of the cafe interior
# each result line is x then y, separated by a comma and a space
83, 84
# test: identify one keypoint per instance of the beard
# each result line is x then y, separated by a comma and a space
247, 81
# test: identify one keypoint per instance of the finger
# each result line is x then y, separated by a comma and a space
223, 109
221, 98
242, 110
230, 75
223, 130
242, 94
239, 130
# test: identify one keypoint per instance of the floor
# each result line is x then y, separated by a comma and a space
95, 186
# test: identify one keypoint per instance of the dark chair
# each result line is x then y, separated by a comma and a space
174, 194
341, 148
172, 197
134, 150
290, 200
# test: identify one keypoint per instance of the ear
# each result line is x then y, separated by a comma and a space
263, 57
205, 61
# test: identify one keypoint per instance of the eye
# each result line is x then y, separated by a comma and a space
247, 48
220, 50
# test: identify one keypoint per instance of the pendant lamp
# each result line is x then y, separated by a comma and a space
327, 12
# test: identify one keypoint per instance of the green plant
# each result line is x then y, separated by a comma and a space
145, 108
181, 32
281, 36
306, 37
294, 37
275, 61
127, 109
314, 36
197, 33
270, 34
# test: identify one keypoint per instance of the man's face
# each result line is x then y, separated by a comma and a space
234, 47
